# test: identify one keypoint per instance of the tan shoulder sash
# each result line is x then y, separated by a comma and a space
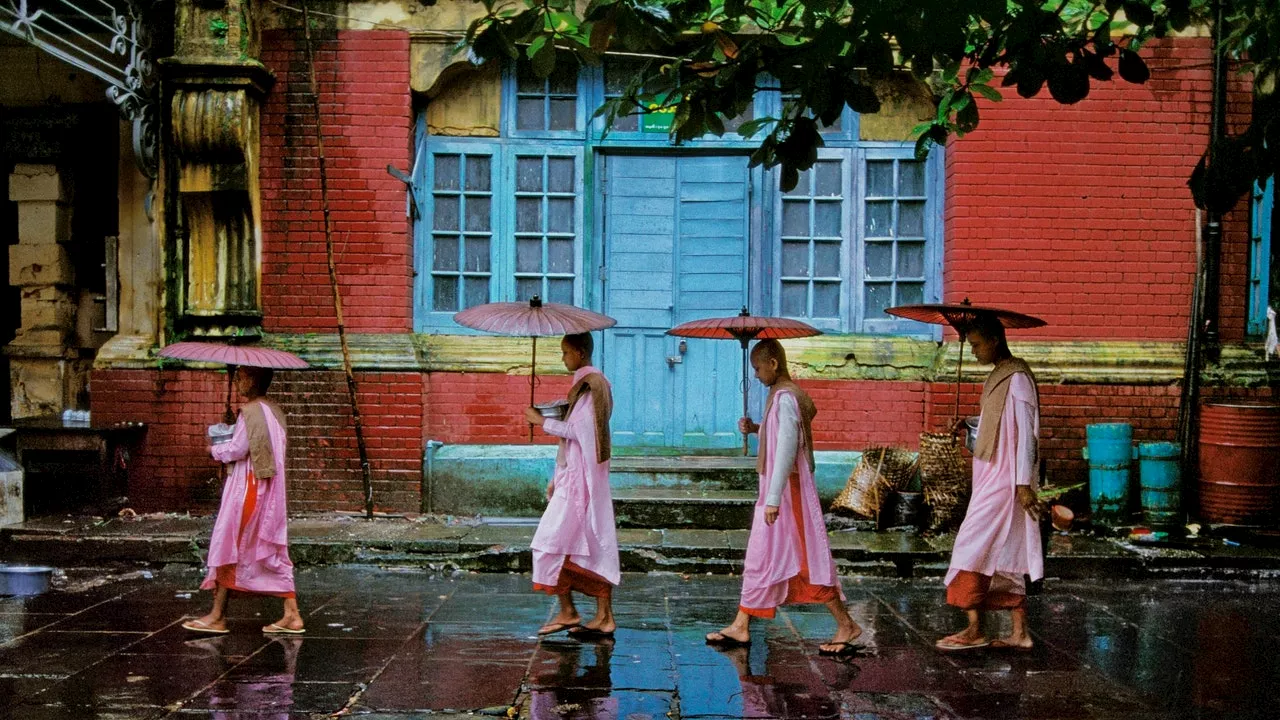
995, 391
808, 411
602, 403
261, 453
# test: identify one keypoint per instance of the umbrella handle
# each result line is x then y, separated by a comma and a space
746, 387
955, 416
229, 417
533, 379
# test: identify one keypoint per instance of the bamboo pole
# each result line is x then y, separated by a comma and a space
333, 267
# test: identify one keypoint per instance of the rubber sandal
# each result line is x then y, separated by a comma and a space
198, 627
546, 630
1002, 645
845, 650
725, 641
585, 633
951, 646
274, 629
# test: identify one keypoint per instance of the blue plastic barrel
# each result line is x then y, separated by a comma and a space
1160, 476
1109, 450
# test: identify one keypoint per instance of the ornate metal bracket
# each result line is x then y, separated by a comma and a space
108, 39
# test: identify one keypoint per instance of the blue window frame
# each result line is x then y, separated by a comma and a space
458, 194
1260, 256
549, 107
813, 255
548, 220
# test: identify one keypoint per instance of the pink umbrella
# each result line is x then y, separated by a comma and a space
533, 319
745, 327
232, 355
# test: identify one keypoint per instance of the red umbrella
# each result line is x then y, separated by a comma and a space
533, 319
745, 327
961, 316
245, 355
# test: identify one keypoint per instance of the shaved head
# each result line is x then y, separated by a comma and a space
770, 350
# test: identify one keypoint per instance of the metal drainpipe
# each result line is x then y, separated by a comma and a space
1213, 225
428, 479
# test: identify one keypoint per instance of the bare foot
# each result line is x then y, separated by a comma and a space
212, 622
562, 621
290, 621
730, 634
1014, 643
844, 637
603, 625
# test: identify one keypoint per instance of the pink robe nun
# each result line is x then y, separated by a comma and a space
256, 547
789, 561
576, 532
998, 541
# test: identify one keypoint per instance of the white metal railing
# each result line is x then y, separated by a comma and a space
107, 39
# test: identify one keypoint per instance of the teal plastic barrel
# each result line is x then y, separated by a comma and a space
1160, 481
1109, 450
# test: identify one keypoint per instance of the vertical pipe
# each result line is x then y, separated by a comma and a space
1213, 226
745, 389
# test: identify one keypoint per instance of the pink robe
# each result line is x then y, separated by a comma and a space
773, 551
578, 522
998, 538
261, 557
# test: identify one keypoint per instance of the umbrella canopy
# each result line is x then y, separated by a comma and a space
534, 319
745, 327
961, 316
233, 355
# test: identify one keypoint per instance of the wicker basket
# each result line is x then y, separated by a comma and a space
944, 478
880, 471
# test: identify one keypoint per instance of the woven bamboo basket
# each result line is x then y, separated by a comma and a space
880, 471
944, 478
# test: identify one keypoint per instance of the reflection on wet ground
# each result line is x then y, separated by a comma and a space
384, 645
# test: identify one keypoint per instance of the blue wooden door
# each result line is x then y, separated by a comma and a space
677, 234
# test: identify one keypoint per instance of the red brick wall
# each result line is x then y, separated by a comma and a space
171, 469
1080, 214
365, 112
857, 414
484, 407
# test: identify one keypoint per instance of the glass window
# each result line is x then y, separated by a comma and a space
834, 128
618, 74
461, 230
894, 236
813, 247
546, 226
1260, 256
547, 104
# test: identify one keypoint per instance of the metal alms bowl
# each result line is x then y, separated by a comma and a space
971, 437
24, 579
554, 410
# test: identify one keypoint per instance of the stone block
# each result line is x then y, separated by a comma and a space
43, 264
41, 223
45, 386
38, 343
48, 307
36, 182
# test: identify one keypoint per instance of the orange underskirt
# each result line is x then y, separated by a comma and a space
572, 578
972, 591
799, 589
226, 574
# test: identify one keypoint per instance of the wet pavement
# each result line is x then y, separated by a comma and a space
396, 644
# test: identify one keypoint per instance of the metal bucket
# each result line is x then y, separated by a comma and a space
906, 509
1110, 454
1240, 462
553, 410
971, 437
1159, 479
24, 579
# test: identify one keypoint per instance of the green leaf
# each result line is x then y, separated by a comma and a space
749, 128
536, 46
987, 92
980, 77
544, 58
967, 117
1133, 68
861, 98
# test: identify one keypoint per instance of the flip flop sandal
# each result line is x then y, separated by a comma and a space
1002, 645
726, 641
585, 633
951, 646
198, 627
274, 629
555, 628
846, 649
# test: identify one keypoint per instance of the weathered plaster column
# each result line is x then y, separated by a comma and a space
47, 374
213, 221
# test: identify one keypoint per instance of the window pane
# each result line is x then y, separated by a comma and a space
880, 178
527, 288
560, 215
530, 114
560, 290
878, 297
477, 290
910, 260
564, 79
445, 254
794, 299
447, 172
476, 255
826, 259
528, 255
619, 73
560, 255
827, 179
478, 173
910, 178
529, 215
910, 293
795, 259
879, 260
626, 123
529, 174
526, 80
834, 127
478, 213
880, 219
564, 114
444, 296
910, 219
444, 215
795, 218
826, 219
826, 300
560, 175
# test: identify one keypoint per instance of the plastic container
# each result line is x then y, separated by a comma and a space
1110, 454
1160, 482
24, 579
